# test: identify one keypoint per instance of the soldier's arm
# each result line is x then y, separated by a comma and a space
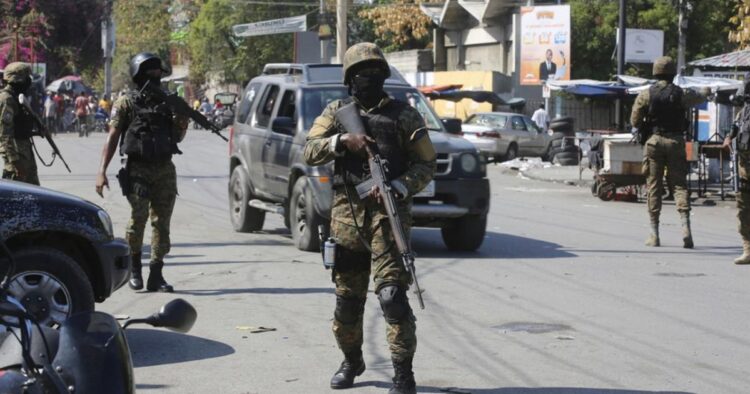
117, 124
321, 144
640, 109
421, 153
691, 98
7, 129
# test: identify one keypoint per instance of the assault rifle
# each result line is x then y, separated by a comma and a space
43, 132
349, 117
179, 106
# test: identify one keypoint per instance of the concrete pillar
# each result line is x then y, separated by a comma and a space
438, 49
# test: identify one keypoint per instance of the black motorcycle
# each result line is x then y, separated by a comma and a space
88, 354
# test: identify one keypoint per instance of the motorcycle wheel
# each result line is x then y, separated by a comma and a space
51, 285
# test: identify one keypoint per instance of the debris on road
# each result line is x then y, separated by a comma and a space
255, 330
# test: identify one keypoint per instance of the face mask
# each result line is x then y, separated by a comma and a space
22, 87
368, 88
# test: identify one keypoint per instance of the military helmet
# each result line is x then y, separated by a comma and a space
17, 72
362, 53
138, 62
664, 66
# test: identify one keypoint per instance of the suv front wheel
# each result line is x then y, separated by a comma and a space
466, 233
50, 285
245, 218
303, 218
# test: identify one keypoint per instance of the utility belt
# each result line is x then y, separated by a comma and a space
667, 133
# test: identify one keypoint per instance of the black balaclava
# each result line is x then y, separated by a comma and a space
150, 64
21, 87
368, 89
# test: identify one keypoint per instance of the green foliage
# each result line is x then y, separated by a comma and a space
142, 26
213, 48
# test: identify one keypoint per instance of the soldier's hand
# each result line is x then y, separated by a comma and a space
356, 143
18, 170
101, 181
375, 193
727, 143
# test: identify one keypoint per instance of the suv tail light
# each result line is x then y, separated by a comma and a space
489, 134
231, 139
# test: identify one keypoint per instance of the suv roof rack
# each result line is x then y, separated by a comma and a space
320, 73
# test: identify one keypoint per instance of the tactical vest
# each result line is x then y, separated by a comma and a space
666, 114
150, 135
743, 137
23, 122
382, 126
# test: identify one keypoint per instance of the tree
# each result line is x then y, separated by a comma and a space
399, 24
214, 49
740, 21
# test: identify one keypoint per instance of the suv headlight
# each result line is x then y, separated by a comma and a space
469, 163
106, 222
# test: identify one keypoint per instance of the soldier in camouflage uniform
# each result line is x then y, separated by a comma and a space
365, 244
148, 133
662, 109
741, 132
16, 127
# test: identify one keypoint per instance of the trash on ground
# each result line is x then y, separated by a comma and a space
255, 330
525, 164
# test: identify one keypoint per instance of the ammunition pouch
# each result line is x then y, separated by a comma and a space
123, 178
348, 260
643, 134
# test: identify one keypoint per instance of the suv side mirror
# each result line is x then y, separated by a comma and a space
284, 125
452, 125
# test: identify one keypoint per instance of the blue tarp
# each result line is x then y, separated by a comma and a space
598, 91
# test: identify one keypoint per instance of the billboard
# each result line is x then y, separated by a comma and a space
545, 44
642, 46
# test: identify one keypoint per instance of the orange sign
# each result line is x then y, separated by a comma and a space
545, 44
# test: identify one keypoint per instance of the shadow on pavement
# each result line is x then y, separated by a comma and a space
519, 390
146, 386
429, 243
258, 290
150, 347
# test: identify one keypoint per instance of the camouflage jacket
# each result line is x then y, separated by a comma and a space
122, 114
690, 98
8, 110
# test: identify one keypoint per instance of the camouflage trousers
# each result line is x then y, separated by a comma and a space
743, 196
153, 194
356, 264
26, 165
660, 152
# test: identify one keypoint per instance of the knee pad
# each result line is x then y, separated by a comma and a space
348, 310
394, 304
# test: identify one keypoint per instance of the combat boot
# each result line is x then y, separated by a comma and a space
403, 382
653, 238
745, 258
136, 278
156, 280
352, 366
687, 235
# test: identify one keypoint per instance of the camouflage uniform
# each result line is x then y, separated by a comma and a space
153, 191
665, 150
15, 144
352, 275
743, 194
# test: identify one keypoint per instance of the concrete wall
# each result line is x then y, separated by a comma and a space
417, 60
489, 57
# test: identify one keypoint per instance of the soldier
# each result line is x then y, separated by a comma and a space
741, 131
148, 133
360, 227
661, 111
16, 126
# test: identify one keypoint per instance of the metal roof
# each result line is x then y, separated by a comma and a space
732, 60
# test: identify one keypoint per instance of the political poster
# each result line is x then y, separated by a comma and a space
545, 44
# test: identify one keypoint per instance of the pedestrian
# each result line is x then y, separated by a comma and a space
104, 104
360, 227
541, 118
662, 112
50, 113
741, 132
151, 133
82, 112
19, 163
59, 111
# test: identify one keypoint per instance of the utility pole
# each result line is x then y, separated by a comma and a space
620, 63
682, 40
324, 58
108, 46
341, 33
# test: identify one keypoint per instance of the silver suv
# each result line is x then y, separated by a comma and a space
268, 172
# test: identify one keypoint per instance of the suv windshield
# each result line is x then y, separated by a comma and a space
315, 100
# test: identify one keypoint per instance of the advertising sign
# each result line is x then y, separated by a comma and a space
275, 26
545, 44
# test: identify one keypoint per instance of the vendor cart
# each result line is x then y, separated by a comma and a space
618, 166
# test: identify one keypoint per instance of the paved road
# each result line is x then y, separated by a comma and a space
562, 297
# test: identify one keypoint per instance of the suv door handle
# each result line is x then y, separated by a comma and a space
268, 142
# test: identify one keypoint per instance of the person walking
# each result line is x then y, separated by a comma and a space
16, 126
741, 133
541, 118
662, 112
50, 113
82, 112
148, 133
361, 229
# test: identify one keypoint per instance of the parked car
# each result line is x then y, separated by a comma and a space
67, 257
502, 136
268, 172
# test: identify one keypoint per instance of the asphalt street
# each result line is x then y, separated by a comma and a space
563, 297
